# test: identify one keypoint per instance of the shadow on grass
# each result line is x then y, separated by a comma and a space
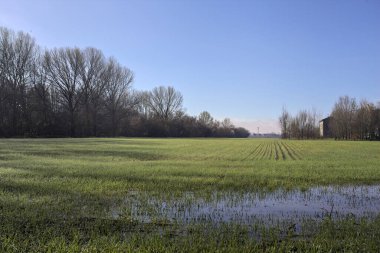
120, 154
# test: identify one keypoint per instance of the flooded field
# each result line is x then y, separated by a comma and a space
189, 195
247, 208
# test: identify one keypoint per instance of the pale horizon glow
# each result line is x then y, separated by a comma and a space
265, 125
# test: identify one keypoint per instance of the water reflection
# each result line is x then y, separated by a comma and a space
248, 208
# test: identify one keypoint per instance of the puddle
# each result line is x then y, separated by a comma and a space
248, 208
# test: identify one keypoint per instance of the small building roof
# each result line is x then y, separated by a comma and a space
327, 118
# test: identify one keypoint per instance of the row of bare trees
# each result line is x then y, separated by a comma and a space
352, 120
302, 126
182, 125
348, 120
58, 92
80, 92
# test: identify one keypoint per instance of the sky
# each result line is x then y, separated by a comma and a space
244, 60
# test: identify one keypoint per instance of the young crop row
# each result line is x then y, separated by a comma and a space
275, 150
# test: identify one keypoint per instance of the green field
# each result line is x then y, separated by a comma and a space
60, 194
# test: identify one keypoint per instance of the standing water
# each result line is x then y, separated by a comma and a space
246, 208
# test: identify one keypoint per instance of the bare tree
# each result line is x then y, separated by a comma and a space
312, 125
143, 107
5, 44
41, 96
365, 122
206, 119
93, 71
118, 82
284, 120
16, 55
64, 73
165, 102
344, 115
302, 120
206, 123
227, 123
226, 128
294, 128
303, 126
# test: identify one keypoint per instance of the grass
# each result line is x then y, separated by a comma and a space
56, 194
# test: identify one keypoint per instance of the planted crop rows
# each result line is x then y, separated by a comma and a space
274, 150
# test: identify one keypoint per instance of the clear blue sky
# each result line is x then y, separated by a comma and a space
239, 59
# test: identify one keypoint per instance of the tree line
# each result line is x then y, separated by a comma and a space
348, 120
79, 92
353, 120
305, 125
